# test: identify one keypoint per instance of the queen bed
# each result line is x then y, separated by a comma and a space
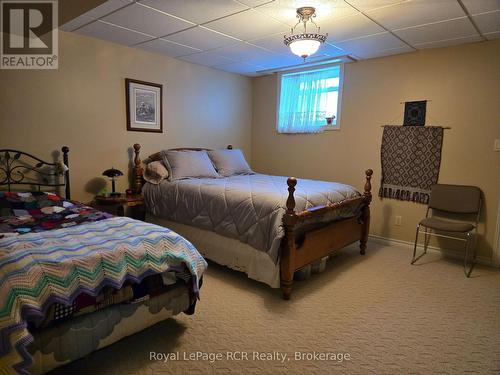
266, 226
74, 279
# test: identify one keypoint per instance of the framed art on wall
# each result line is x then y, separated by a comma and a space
144, 106
415, 113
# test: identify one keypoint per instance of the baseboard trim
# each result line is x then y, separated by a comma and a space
446, 252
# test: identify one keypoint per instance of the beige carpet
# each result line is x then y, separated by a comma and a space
391, 318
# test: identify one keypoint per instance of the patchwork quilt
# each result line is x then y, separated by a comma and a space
44, 269
39, 211
249, 208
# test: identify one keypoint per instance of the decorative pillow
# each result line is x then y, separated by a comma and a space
155, 172
229, 162
185, 164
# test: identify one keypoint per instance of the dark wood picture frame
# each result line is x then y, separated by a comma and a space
158, 102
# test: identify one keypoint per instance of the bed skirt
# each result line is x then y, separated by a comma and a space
78, 337
226, 251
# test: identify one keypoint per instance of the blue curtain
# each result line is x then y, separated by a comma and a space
306, 98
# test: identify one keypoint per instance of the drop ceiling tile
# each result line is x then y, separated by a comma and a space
107, 7
481, 6
416, 12
457, 28
255, 3
286, 10
275, 59
336, 9
75, 23
350, 27
365, 5
147, 20
202, 38
94, 14
371, 44
331, 50
282, 10
240, 68
318, 56
167, 48
243, 52
247, 25
449, 42
113, 33
488, 22
386, 52
207, 58
280, 62
274, 43
494, 35
197, 11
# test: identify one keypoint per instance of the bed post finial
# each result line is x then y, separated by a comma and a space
368, 185
229, 147
290, 202
137, 182
67, 192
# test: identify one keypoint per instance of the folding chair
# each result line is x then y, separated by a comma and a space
456, 200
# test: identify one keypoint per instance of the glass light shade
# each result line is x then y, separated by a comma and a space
304, 47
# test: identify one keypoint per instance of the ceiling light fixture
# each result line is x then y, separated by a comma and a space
306, 43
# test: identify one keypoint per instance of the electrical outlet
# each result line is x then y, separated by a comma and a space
398, 220
496, 147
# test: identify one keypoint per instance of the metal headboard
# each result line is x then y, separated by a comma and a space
20, 168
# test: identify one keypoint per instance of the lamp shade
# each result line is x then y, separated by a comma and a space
112, 172
304, 47
307, 42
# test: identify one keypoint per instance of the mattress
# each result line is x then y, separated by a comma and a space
245, 207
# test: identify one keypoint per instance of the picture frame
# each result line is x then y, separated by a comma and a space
414, 114
144, 106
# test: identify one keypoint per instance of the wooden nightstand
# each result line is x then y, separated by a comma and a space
125, 205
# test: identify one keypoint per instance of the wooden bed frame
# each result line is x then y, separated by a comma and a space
313, 245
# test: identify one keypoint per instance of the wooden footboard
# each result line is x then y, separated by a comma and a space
319, 243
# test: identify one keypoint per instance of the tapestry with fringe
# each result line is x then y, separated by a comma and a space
411, 157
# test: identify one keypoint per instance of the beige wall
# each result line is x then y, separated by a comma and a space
463, 86
82, 105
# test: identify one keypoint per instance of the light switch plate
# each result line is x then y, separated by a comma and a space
496, 147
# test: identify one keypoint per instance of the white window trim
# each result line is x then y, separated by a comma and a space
339, 104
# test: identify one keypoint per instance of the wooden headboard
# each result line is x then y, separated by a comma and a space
138, 180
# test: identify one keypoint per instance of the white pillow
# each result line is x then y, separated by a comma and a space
229, 162
155, 172
186, 164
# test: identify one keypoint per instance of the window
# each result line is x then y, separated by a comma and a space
308, 99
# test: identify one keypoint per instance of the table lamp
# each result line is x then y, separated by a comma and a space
112, 173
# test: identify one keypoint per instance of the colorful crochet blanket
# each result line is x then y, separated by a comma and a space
55, 266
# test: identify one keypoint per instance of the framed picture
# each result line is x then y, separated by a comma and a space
144, 106
415, 113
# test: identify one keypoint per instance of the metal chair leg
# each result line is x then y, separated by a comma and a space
426, 239
467, 244
415, 247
